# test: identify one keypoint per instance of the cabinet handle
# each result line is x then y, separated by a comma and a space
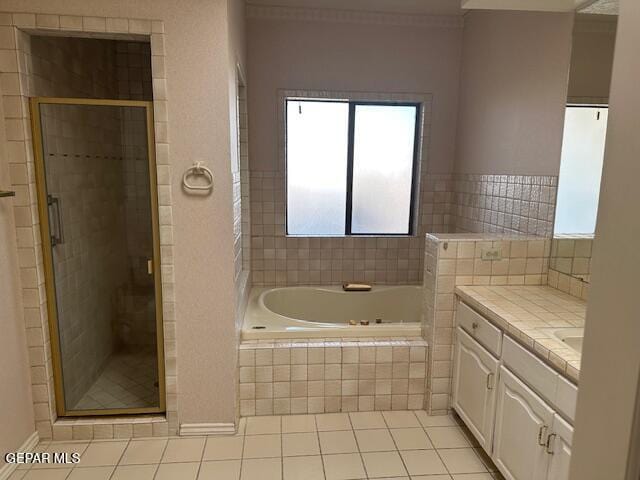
541, 433
490, 381
474, 325
549, 444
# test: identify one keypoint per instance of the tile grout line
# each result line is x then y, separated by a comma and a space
364, 466
396, 444
204, 447
244, 438
315, 425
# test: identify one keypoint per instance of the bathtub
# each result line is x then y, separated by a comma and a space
326, 311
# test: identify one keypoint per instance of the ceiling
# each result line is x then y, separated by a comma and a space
425, 7
602, 7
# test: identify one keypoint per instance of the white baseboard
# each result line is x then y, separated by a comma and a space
188, 429
28, 446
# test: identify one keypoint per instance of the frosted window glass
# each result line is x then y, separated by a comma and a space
585, 131
382, 168
317, 138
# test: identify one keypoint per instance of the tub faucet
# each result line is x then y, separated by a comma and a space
356, 287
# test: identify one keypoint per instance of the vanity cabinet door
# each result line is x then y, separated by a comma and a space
559, 449
475, 379
523, 422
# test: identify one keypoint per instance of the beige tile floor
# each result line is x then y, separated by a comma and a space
127, 381
339, 446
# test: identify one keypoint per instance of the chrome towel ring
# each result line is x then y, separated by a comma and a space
198, 169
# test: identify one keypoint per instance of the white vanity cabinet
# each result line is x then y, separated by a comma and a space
559, 449
517, 407
474, 389
522, 424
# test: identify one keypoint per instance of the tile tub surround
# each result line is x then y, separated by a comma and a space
493, 204
16, 77
311, 447
297, 376
530, 314
455, 259
504, 203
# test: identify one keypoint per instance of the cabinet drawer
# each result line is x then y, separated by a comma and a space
479, 328
566, 398
528, 367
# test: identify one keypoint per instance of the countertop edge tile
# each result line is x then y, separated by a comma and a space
524, 314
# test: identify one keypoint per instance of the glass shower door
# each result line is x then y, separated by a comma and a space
98, 207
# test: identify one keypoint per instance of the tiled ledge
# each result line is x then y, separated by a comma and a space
333, 342
331, 375
124, 427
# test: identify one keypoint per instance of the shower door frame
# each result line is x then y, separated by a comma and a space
47, 252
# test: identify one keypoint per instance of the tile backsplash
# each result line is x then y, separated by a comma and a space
570, 264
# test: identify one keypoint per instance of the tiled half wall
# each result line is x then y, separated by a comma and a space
455, 259
332, 375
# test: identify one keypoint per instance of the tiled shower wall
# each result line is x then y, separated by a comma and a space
455, 259
93, 251
82, 144
91, 68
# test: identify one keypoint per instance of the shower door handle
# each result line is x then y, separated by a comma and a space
58, 237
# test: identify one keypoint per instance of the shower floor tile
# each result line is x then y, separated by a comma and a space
127, 381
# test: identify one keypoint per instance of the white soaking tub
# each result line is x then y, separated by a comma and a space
326, 311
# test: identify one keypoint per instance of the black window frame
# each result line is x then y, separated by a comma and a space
350, 153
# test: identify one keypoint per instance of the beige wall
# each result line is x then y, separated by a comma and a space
611, 358
351, 56
16, 414
513, 88
594, 40
198, 81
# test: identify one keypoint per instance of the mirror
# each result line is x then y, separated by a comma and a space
583, 144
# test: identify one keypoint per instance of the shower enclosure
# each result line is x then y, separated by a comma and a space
97, 199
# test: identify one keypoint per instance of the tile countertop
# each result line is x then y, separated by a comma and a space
531, 314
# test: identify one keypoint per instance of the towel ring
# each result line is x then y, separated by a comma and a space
197, 170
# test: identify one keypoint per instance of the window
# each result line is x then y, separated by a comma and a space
351, 167
585, 129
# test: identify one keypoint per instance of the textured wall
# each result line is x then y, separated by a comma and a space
513, 89
16, 414
594, 40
